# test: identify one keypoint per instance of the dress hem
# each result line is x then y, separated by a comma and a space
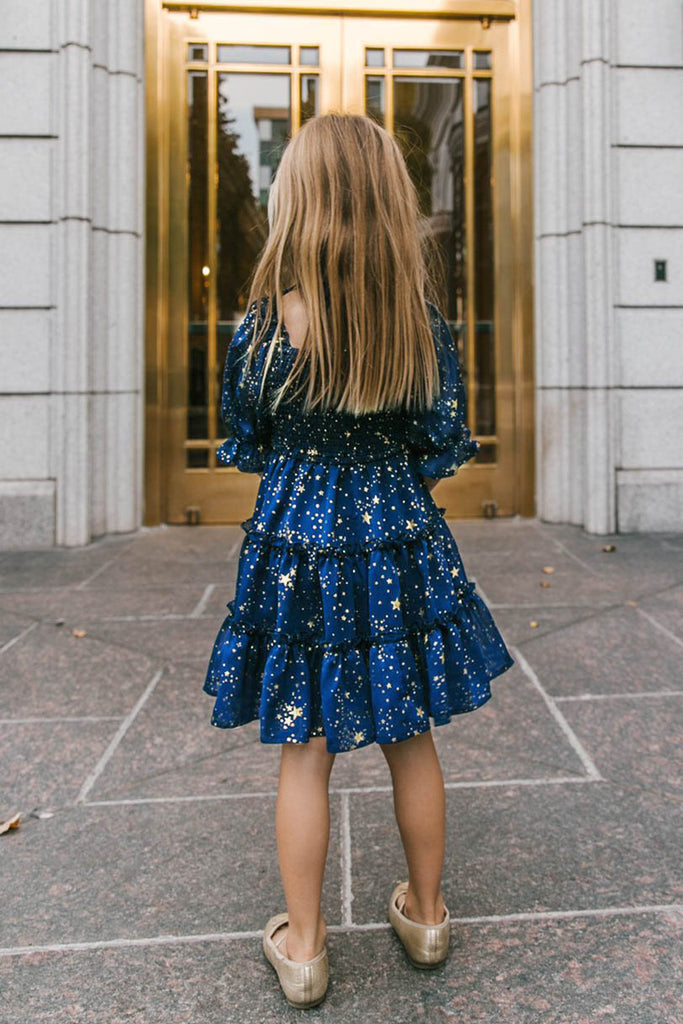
436, 722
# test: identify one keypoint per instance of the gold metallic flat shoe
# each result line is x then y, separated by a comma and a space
304, 982
426, 945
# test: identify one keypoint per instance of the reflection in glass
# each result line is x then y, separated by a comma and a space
429, 127
196, 458
253, 125
485, 419
482, 60
234, 53
309, 55
308, 98
198, 52
429, 59
374, 58
487, 453
374, 98
197, 207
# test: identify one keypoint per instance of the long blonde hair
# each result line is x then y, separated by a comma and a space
346, 232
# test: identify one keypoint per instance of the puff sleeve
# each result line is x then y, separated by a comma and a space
242, 414
439, 438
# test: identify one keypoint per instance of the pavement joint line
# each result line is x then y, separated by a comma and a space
537, 606
60, 718
203, 601
345, 857
117, 737
337, 929
658, 625
561, 546
18, 637
561, 721
620, 696
207, 797
233, 550
84, 582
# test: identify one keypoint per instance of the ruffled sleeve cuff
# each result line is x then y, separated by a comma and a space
445, 461
247, 456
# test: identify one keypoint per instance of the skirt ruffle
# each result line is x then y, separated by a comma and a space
362, 639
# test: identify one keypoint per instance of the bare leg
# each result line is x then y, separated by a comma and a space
420, 807
302, 824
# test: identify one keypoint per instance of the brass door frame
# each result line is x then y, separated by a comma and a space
516, 408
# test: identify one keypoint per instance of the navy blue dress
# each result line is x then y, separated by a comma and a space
353, 617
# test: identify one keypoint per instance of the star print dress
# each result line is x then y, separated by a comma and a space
352, 617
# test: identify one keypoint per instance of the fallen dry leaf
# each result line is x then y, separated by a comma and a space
9, 823
609, 547
79, 632
634, 604
549, 569
533, 624
545, 583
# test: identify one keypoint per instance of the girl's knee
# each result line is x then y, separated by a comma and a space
395, 752
314, 749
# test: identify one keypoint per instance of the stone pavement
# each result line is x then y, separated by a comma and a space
141, 897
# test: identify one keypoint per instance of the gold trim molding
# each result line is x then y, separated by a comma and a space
504, 9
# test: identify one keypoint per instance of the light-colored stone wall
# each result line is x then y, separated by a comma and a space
608, 162
71, 269
608, 141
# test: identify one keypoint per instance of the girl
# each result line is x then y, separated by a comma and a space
353, 621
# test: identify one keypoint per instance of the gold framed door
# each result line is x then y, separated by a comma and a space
229, 88
442, 89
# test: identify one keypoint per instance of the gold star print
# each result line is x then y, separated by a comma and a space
311, 623
366, 517
358, 736
455, 571
286, 579
410, 524
297, 712
420, 712
375, 500
453, 404
396, 604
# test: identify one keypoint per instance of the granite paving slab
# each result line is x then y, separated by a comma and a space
638, 565
518, 624
510, 581
59, 567
181, 845
189, 543
139, 569
73, 604
581, 970
12, 625
513, 849
141, 870
666, 608
614, 651
171, 749
44, 763
634, 741
163, 640
50, 672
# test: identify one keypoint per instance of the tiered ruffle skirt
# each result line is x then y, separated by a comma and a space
353, 617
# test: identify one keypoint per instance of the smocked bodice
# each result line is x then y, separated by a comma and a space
438, 438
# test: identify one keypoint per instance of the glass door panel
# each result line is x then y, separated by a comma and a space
443, 102
237, 86
246, 82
